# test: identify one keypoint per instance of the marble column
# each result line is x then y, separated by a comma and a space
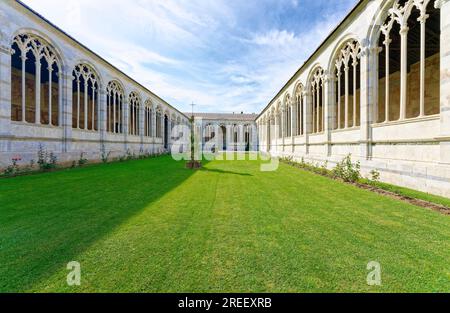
37, 94
346, 115
403, 71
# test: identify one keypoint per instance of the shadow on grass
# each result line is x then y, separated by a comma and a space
47, 220
225, 172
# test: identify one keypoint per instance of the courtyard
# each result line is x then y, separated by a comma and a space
153, 226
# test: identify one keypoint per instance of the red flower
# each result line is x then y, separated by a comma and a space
17, 158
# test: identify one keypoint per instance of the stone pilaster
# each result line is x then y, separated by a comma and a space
254, 140
276, 131
283, 129
229, 136
5, 97
163, 128
444, 6
126, 122
293, 124
141, 130
66, 110
169, 132
102, 105
368, 98
329, 104
241, 141
307, 118
153, 130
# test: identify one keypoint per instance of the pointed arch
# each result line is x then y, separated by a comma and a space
148, 118
85, 100
115, 107
159, 123
36, 87
287, 118
316, 84
134, 109
299, 110
347, 73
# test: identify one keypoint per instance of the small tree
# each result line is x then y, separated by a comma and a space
192, 163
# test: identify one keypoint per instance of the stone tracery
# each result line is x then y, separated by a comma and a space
35, 81
134, 105
318, 113
115, 108
348, 81
406, 59
85, 98
148, 119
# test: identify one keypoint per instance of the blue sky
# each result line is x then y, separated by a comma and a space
224, 55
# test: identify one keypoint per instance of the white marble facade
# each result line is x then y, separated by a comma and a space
92, 107
401, 124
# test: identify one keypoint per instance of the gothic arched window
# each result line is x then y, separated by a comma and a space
35, 81
85, 98
114, 108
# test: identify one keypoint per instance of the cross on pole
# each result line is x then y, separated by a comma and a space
192, 105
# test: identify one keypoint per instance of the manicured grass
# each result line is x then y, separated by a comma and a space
153, 226
414, 194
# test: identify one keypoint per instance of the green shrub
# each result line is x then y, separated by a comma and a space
130, 156
82, 161
105, 156
348, 171
46, 161
374, 177
323, 170
12, 169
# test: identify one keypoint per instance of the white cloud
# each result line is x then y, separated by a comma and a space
275, 38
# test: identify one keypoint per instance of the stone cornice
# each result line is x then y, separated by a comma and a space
6, 50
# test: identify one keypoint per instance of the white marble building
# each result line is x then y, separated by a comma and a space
379, 88
91, 107
227, 132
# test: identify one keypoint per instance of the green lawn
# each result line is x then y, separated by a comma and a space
153, 226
